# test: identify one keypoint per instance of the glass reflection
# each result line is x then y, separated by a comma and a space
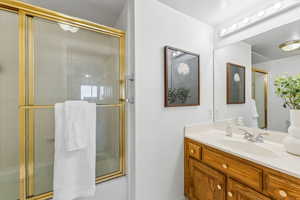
9, 128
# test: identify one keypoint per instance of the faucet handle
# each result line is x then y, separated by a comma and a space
260, 138
246, 132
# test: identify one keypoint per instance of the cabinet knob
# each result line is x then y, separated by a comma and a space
224, 166
192, 151
282, 193
219, 187
230, 194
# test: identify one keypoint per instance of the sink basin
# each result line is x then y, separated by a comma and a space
248, 147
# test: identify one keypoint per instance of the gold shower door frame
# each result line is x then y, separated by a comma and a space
25, 13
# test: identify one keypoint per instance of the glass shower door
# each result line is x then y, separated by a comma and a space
70, 63
9, 100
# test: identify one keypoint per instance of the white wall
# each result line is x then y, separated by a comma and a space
239, 53
126, 22
277, 115
159, 130
112, 190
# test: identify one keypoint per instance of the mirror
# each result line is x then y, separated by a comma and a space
247, 79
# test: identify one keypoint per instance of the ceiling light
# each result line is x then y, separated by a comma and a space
246, 20
256, 17
223, 32
261, 13
67, 27
290, 45
233, 27
277, 6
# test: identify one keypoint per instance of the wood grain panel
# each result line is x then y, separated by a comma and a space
237, 191
206, 183
280, 187
194, 151
246, 173
202, 176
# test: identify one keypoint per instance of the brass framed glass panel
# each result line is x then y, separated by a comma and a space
56, 58
40, 169
9, 99
72, 63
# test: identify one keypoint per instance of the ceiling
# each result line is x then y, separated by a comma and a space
105, 12
215, 12
265, 45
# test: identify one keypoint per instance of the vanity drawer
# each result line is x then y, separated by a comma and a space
243, 172
238, 191
281, 188
194, 151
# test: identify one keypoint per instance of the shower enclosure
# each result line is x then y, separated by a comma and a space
45, 58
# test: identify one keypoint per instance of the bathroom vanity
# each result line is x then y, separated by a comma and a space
218, 167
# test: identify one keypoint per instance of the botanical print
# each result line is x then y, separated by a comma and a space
235, 84
182, 78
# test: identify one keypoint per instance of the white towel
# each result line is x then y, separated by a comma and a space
76, 125
74, 171
254, 112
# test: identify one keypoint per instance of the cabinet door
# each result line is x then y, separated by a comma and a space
280, 187
206, 183
237, 191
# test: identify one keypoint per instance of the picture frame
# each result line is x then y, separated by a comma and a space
182, 77
236, 84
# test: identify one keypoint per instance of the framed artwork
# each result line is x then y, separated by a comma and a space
236, 84
182, 74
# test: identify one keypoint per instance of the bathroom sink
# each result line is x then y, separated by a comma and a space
248, 147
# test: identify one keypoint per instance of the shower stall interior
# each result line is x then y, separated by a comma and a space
45, 58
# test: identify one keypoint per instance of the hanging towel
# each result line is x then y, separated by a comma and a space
254, 114
76, 125
74, 171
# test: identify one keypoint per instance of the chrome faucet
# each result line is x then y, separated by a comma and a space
252, 137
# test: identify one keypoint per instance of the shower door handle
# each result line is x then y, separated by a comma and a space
129, 89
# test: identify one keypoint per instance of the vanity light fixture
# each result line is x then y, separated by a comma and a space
67, 27
290, 45
269, 11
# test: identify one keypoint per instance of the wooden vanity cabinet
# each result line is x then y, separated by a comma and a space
238, 191
280, 187
211, 174
206, 183
244, 172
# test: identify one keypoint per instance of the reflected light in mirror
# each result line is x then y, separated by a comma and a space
290, 45
87, 76
88, 91
67, 27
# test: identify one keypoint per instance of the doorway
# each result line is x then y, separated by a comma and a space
260, 95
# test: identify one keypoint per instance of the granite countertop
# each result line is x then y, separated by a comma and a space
271, 153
